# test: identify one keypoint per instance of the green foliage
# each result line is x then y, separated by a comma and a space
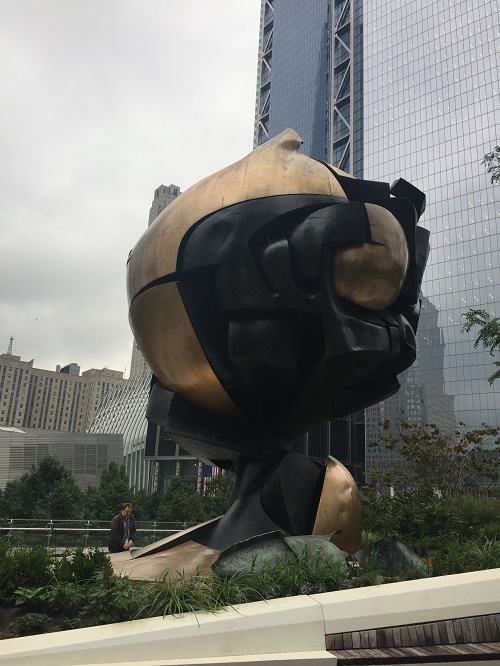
110, 599
23, 568
431, 522
489, 328
25, 595
103, 502
61, 597
181, 502
459, 556
145, 506
79, 565
107, 598
304, 575
31, 623
217, 494
49, 490
438, 462
492, 162
182, 595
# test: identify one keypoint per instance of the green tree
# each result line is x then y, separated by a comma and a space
492, 162
217, 494
488, 336
103, 502
181, 503
49, 490
435, 461
13, 503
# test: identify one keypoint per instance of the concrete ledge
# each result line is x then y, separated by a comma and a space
286, 631
287, 659
292, 625
410, 602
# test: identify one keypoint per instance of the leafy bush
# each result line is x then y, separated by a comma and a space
24, 568
304, 575
79, 565
431, 522
197, 593
459, 556
31, 623
110, 599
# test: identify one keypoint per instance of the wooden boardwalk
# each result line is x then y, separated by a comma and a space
463, 639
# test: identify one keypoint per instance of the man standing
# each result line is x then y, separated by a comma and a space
122, 533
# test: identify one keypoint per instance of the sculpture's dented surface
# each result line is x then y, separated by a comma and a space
272, 296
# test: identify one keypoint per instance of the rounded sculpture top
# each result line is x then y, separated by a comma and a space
277, 290
272, 169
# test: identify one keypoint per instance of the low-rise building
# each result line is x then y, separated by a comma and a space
84, 455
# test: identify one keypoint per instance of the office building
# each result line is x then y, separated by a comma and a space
162, 197
84, 455
123, 411
60, 400
407, 88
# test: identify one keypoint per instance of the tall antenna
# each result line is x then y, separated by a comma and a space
9, 350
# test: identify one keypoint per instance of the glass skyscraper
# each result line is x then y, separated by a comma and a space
405, 88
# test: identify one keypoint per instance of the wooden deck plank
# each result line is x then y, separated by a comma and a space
412, 630
389, 638
405, 636
472, 629
443, 634
486, 629
464, 622
419, 655
427, 633
495, 633
450, 631
435, 633
396, 634
381, 642
481, 637
420, 634
457, 626
471, 638
365, 639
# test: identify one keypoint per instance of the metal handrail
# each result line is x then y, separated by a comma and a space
52, 532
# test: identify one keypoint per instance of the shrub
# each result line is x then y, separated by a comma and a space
24, 568
81, 565
30, 623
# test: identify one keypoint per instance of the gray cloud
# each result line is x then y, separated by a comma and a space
101, 102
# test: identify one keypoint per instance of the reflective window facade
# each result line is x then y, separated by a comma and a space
431, 98
423, 93
310, 77
124, 412
298, 96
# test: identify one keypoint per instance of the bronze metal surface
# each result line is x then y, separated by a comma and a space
339, 508
272, 169
188, 558
165, 336
372, 274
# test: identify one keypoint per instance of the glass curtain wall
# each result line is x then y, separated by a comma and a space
431, 101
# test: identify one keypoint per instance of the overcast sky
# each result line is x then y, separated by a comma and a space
101, 102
